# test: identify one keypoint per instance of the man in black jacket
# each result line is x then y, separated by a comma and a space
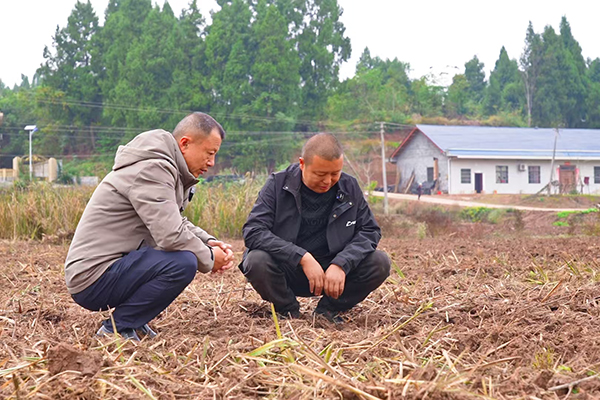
311, 232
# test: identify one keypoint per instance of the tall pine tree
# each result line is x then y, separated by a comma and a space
475, 79
505, 88
70, 73
530, 62
322, 47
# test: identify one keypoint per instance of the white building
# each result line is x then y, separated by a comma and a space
480, 159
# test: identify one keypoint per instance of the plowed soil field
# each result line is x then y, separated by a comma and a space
490, 317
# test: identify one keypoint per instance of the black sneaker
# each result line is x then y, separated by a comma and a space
130, 334
127, 334
147, 331
293, 314
103, 332
330, 315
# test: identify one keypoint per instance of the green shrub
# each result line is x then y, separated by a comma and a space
475, 214
421, 230
496, 215
98, 166
565, 214
572, 218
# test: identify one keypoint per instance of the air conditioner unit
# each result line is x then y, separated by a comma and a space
521, 167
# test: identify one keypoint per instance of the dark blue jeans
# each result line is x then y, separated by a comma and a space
280, 283
139, 286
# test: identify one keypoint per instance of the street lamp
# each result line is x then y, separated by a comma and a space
31, 129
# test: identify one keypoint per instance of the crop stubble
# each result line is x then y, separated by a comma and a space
458, 318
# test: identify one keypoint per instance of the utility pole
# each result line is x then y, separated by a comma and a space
383, 171
31, 129
552, 162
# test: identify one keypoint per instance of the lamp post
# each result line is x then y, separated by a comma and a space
31, 129
383, 170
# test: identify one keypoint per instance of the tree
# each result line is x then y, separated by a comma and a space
17, 105
274, 93
578, 82
561, 88
475, 80
229, 47
190, 75
275, 76
593, 99
147, 75
71, 70
322, 47
380, 90
366, 62
426, 99
456, 99
505, 86
124, 22
530, 67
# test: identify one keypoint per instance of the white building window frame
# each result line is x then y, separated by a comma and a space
502, 174
534, 173
465, 176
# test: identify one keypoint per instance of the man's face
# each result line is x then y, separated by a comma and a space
199, 152
320, 175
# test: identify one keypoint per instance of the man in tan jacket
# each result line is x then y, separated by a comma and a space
133, 250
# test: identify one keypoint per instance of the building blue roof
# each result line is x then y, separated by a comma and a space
508, 142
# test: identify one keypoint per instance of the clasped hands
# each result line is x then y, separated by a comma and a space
223, 255
331, 281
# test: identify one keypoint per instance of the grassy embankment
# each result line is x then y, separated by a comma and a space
43, 210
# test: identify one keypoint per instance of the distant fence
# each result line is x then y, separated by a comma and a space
7, 175
47, 169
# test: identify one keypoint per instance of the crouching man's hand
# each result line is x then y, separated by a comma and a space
314, 272
226, 247
335, 279
223, 258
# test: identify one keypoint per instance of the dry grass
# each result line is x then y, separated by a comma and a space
42, 210
224, 207
457, 319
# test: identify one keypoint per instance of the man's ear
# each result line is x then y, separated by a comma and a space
301, 160
183, 143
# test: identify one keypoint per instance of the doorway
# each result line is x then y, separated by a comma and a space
567, 179
478, 182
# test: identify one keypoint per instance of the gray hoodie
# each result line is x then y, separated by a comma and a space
139, 203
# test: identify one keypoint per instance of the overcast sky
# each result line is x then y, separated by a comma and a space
435, 36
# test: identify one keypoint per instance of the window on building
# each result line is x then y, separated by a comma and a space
596, 174
501, 173
534, 174
465, 175
429, 174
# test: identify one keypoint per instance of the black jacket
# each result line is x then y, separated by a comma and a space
274, 222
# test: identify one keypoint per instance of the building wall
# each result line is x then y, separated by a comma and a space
518, 181
417, 155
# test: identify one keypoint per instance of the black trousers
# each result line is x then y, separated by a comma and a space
139, 286
280, 283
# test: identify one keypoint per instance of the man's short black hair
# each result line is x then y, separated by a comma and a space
197, 123
324, 145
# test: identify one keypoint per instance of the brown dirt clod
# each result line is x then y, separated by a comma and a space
67, 358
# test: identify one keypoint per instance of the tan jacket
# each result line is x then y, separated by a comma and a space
139, 203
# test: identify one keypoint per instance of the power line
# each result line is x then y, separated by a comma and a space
123, 107
279, 142
73, 133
